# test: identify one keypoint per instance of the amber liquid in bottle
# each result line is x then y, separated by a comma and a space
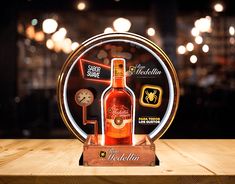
118, 107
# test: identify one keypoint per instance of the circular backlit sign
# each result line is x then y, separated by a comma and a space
149, 74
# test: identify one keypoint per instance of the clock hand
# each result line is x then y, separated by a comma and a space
82, 99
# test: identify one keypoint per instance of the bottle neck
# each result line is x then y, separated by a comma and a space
118, 73
118, 82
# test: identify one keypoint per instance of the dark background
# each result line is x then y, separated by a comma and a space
29, 70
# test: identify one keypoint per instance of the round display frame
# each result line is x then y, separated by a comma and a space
151, 47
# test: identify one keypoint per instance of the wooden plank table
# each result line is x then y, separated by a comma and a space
56, 161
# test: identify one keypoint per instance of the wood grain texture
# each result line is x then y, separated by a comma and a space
56, 161
140, 154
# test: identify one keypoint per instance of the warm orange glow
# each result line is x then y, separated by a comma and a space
50, 44
30, 32
81, 6
39, 36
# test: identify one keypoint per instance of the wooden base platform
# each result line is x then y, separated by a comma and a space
56, 161
142, 153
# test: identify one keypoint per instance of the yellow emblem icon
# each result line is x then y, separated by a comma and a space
132, 69
151, 96
102, 154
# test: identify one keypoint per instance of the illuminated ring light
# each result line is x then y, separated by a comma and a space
140, 41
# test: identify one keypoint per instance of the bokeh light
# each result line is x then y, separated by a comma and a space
151, 31
218, 7
198, 40
50, 44
74, 46
193, 59
108, 30
81, 6
49, 26
231, 30
195, 31
205, 48
122, 24
189, 47
181, 49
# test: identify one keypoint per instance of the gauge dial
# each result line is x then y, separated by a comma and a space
84, 97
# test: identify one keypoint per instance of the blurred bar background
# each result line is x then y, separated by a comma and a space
37, 36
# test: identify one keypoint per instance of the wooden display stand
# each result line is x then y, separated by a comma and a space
140, 154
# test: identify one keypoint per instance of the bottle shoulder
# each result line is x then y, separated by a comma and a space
118, 92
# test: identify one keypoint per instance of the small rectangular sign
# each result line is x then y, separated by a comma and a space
140, 154
95, 71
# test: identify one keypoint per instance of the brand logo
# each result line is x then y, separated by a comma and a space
116, 155
143, 71
118, 120
118, 111
151, 96
118, 116
102, 154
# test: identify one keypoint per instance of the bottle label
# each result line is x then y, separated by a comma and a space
119, 125
118, 68
118, 116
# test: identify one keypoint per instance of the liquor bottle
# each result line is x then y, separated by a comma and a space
118, 107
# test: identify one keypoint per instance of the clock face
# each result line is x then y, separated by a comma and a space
84, 97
